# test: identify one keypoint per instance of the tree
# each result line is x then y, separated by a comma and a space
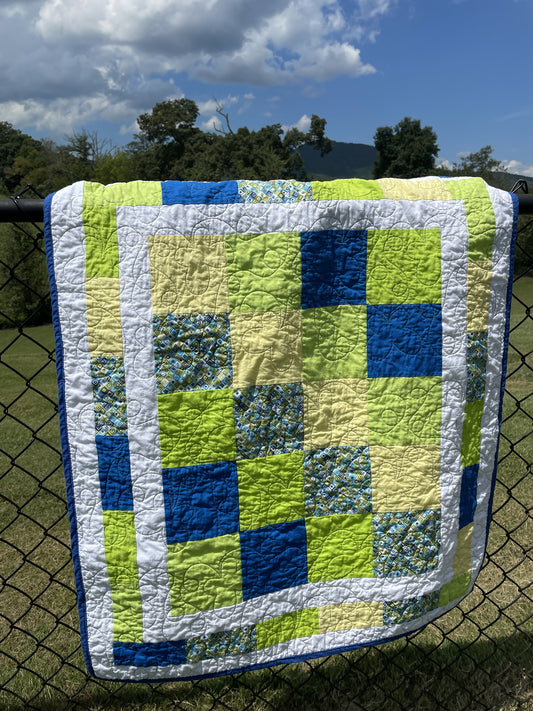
405, 151
480, 164
170, 146
165, 134
12, 141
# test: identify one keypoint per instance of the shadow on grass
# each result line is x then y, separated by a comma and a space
406, 674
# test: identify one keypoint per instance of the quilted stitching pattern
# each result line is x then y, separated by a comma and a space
280, 430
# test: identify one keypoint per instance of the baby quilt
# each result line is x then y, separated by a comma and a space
279, 409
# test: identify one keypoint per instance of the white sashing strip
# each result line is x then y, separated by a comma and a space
69, 268
501, 265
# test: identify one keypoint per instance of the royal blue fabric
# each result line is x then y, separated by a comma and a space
468, 500
159, 654
404, 340
201, 501
273, 558
115, 472
192, 193
333, 267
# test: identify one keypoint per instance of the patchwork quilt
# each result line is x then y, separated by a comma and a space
280, 406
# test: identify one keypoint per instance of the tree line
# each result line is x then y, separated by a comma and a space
170, 146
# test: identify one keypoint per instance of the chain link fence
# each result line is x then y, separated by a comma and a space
478, 656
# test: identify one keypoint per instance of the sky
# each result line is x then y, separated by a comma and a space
462, 67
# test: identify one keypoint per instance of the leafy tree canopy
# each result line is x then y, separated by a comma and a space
481, 164
170, 146
406, 150
12, 141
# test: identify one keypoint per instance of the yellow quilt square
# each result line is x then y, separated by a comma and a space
405, 478
103, 316
478, 295
350, 616
189, 274
335, 413
396, 189
267, 348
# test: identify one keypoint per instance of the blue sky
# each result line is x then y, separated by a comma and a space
460, 66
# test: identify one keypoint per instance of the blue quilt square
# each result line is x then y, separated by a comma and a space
404, 340
468, 500
114, 472
145, 654
333, 268
268, 420
192, 193
201, 501
273, 558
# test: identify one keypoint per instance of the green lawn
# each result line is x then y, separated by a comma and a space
476, 657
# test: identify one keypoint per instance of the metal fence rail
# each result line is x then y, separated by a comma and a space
478, 656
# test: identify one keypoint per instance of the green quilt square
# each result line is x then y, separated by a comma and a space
458, 587
334, 342
301, 623
404, 411
471, 439
204, 575
196, 427
264, 272
271, 490
480, 217
339, 547
404, 267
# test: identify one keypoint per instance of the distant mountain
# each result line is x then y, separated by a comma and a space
507, 181
356, 160
345, 160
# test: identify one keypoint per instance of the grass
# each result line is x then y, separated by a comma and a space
478, 656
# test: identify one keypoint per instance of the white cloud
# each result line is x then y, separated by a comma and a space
515, 166
221, 40
210, 106
324, 63
303, 124
61, 115
211, 125
213, 122
65, 63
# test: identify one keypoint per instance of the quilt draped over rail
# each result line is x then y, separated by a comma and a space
280, 407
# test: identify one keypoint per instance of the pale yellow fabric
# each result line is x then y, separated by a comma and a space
189, 274
350, 615
335, 413
478, 296
266, 347
396, 189
103, 316
405, 478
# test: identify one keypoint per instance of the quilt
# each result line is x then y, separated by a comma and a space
279, 408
